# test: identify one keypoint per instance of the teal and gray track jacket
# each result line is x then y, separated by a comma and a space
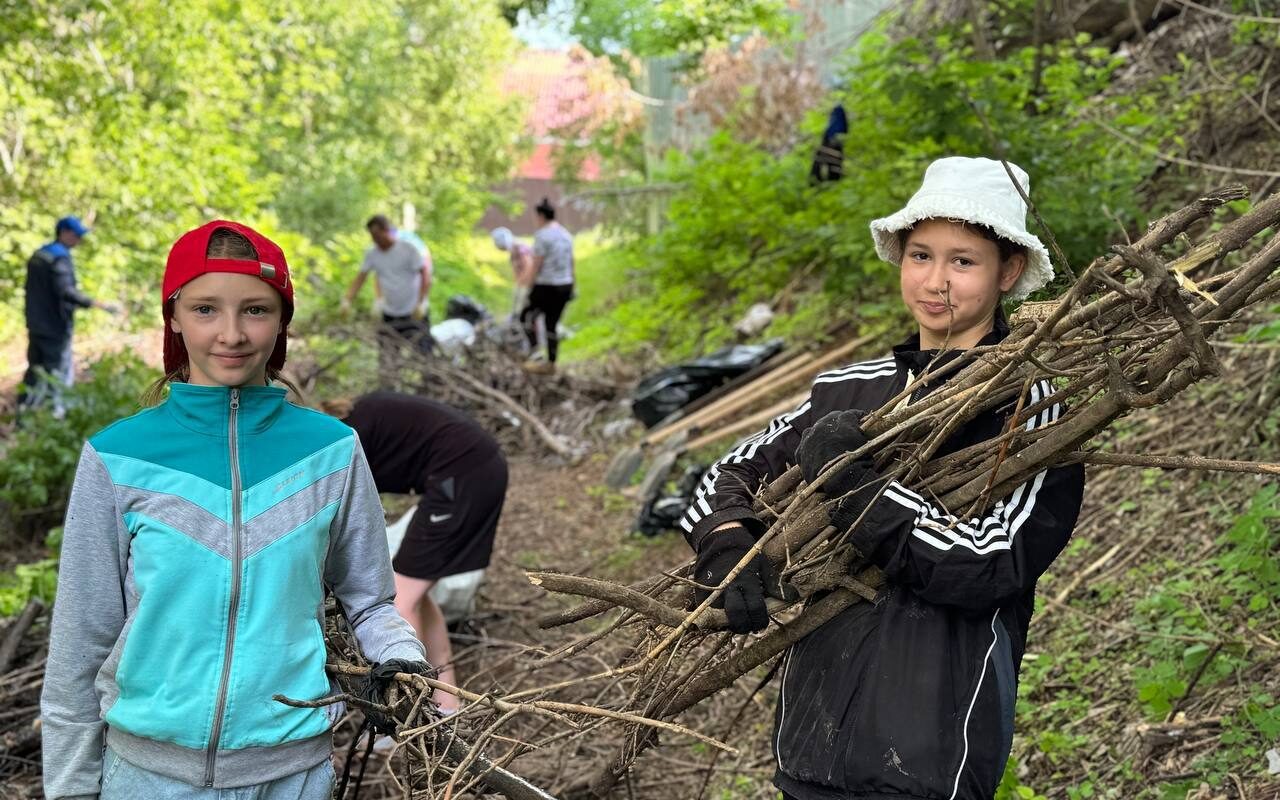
200, 537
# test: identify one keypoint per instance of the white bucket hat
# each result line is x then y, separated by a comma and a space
976, 190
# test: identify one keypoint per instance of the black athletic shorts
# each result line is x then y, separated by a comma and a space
453, 529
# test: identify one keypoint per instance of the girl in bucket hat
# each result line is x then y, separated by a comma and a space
201, 536
910, 697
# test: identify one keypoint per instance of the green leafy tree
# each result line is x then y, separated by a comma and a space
671, 27
300, 117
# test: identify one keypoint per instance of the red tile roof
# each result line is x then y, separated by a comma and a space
571, 92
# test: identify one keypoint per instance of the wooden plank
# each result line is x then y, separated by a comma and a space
779, 360
751, 422
715, 410
770, 383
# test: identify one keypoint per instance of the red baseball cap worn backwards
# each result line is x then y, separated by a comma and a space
187, 261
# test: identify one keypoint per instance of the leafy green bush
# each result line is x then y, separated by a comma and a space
1011, 788
1250, 563
34, 581
1239, 582
40, 459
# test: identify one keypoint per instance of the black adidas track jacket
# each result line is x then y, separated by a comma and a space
912, 697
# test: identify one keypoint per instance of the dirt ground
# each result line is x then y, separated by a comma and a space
560, 518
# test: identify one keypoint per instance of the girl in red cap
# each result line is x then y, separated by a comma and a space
201, 535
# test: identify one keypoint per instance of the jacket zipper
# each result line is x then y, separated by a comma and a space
220, 707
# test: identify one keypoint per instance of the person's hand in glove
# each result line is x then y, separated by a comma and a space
828, 440
385, 671
743, 600
381, 676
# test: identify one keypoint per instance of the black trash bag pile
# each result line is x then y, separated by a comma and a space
664, 392
461, 306
663, 513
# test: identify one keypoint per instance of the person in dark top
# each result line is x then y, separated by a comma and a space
421, 446
828, 162
910, 697
51, 302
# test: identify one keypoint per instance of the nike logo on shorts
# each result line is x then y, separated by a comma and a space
439, 517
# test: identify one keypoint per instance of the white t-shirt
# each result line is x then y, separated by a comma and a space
555, 245
399, 271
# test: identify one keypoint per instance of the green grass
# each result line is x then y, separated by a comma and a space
601, 279
474, 267
1192, 646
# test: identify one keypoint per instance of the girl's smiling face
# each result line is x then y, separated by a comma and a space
952, 280
229, 323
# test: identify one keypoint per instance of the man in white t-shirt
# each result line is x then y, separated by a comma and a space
402, 281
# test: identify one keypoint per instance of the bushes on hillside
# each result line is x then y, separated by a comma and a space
745, 224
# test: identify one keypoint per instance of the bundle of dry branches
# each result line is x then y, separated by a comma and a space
438, 756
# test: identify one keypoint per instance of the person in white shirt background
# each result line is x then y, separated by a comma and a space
553, 270
402, 282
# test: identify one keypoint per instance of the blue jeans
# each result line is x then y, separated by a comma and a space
124, 781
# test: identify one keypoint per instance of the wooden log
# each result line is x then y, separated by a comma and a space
747, 423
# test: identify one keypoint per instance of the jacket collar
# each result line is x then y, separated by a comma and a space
207, 409
910, 357
57, 249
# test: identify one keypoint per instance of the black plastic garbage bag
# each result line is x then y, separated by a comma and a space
664, 513
461, 306
664, 392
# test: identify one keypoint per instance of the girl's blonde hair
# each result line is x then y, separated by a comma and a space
223, 243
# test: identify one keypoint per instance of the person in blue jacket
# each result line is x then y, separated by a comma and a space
52, 298
201, 537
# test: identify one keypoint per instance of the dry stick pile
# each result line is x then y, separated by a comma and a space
23, 651
445, 757
1132, 332
526, 412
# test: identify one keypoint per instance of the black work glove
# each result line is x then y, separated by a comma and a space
384, 671
374, 688
857, 483
829, 439
743, 600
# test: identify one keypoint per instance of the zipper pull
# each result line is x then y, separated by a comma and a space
235, 399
